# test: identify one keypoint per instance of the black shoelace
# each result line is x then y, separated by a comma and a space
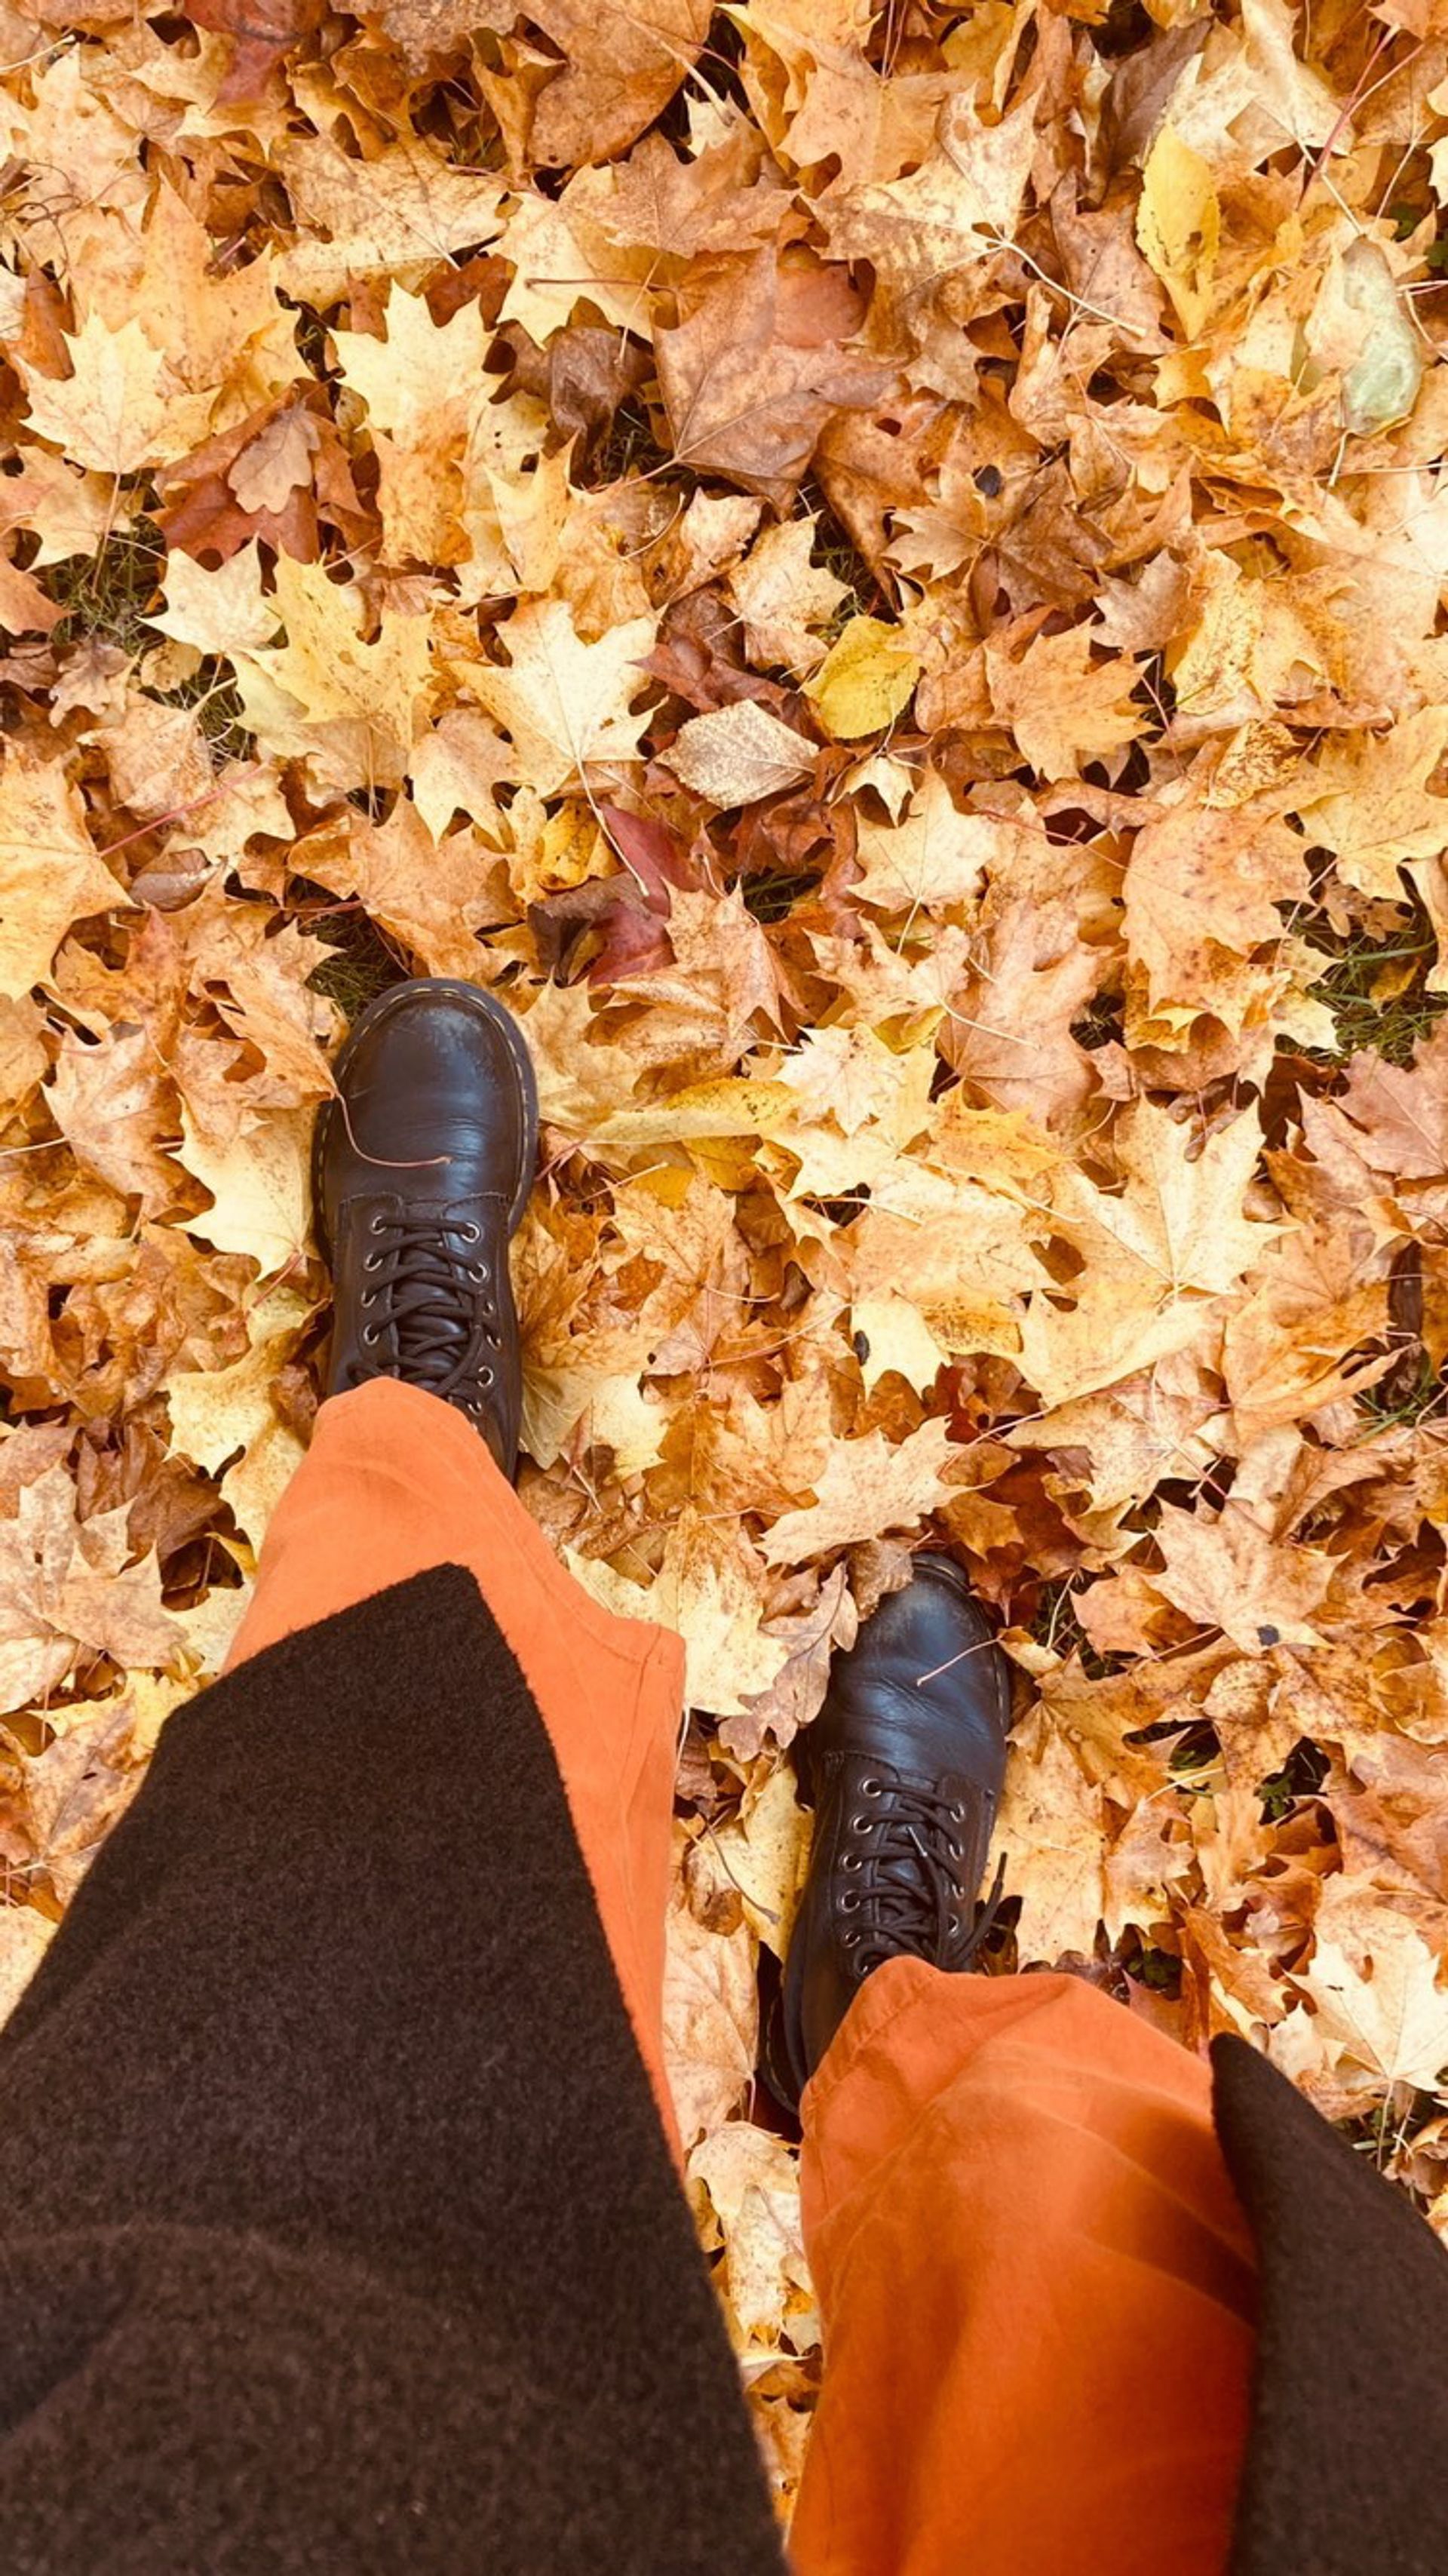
909, 1859
433, 1293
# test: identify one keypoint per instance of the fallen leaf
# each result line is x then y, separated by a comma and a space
25, 1936
785, 598
757, 362
1051, 1832
739, 754
110, 1102
710, 1589
566, 705
1179, 226
1063, 708
258, 1181
1380, 2018
752, 2186
866, 680
50, 875
360, 701
711, 2020
618, 74
1233, 1573
68, 1591
866, 1488
118, 409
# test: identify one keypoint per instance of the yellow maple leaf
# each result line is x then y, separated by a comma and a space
50, 874
751, 2180
961, 203
865, 681
1380, 2016
432, 896
1370, 804
357, 705
389, 213
226, 1419
119, 408
783, 596
219, 326
1179, 226
67, 1587
1228, 1571
866, 1487
565, 705
710, 1589
933, 858
1202, 889
222, 611
710, 2017
1050, 1832
1152, 1253
259, 1180
420, 380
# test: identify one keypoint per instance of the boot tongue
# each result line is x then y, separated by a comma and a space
439, 1301
921, 1869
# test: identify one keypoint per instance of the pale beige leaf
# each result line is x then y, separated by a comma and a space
565, 704
868, 1486
116, 411
1052, 1831
50, 875
25, 1936
752, 2182
711, 2020
219, 612
259, 1180
739, 754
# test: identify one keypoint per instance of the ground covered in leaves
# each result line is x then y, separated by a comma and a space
878, 575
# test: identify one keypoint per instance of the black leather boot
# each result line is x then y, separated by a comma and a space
421, 1170
903, 1766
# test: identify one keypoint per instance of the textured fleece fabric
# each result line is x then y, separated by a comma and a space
337, 2227
1347, 2459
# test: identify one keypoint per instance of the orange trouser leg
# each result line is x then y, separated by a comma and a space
1037, 2290
396, 1481
1036, 2283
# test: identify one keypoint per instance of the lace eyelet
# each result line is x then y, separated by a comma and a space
957, 1815
849, 1905
478, 1270
371, 1336
956, 1850
373, 1261
951, 1923
369, 1296
859, 1824
851, 1860
485, 1377
378, 1225
852, 1941
470, 1232
871, 1788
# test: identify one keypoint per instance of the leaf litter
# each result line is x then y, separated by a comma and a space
877, 574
